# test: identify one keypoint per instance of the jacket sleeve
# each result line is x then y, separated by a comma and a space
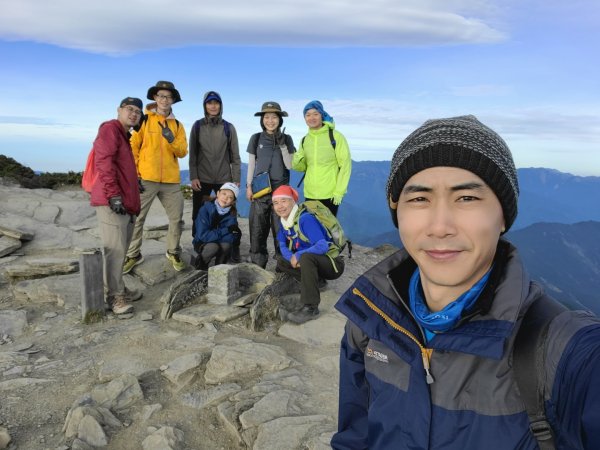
204, 232
236, 163
299, 160
314, 231
353, 426
288, 154
224, 225
281, 239
577, 391
194, 151
342, 154
179, 146
105, 148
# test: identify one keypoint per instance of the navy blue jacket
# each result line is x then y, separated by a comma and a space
211, 227
387, 402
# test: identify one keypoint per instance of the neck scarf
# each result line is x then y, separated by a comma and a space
220, 209
289, 222
447, 318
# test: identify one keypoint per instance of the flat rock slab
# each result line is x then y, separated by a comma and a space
199, 314
46, 213
155, 269
126, 365
231, 363
327, 329
16, 233
49, 237
8, 245
42, 267
287, 433
11, 359
182, 371
12, 322
276, 404
18, 383
120, 393
209, 397
60, 289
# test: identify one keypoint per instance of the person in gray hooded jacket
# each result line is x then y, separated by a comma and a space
214, 155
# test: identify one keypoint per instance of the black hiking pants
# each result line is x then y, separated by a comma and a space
312, 267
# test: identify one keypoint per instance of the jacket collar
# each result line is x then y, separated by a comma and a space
483, 331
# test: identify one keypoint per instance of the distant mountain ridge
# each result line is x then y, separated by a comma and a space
547, 195
557, 230
565, 259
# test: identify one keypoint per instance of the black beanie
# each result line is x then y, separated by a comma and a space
461, 142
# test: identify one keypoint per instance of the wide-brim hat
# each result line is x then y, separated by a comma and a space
271, 107
164, 85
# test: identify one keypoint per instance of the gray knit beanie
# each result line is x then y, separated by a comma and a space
461, 142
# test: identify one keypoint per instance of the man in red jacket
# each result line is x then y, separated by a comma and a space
115, 194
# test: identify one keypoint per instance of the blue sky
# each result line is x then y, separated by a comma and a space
527, 68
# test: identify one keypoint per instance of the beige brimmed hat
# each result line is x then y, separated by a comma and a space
271, 107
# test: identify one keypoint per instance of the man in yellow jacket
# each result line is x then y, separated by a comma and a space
324, 156
156, 145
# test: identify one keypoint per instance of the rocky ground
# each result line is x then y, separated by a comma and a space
212, 376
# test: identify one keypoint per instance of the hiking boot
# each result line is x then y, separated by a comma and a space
133, 295
120, 305
308, 312
131, 262
176, 260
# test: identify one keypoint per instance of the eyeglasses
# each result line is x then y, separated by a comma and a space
130, 110
164, 97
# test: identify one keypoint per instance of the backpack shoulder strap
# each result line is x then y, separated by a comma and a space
142, 121
331, 138
196, 127
529, 365
227, 131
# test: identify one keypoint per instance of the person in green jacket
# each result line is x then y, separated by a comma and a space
324, 157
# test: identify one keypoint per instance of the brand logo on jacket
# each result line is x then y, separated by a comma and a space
381, 357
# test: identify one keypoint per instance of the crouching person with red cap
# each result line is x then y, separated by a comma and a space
307, 251
217, 229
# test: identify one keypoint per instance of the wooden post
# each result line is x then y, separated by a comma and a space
92, 285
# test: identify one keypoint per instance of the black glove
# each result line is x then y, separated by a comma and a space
167, 133
116, 205
141, 186
234, 229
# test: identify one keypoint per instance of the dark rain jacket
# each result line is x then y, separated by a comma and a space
115, 168
212, 227
473, 402
212, 159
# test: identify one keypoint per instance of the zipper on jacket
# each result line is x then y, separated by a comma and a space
425, 352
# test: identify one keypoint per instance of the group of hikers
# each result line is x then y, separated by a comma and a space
128, 181
448, 343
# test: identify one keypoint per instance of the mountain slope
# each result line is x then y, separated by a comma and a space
564, 258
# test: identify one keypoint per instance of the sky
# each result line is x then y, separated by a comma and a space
526, 68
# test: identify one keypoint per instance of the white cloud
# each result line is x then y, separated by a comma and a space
117, 27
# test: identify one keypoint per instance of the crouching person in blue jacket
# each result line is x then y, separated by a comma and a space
216, 228
308, 260
435, 354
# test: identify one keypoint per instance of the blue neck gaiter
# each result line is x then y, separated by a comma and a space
447, 318
220, 209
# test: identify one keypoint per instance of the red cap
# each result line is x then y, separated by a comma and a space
285, 191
